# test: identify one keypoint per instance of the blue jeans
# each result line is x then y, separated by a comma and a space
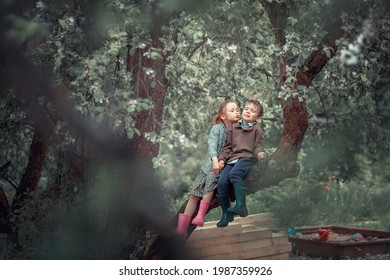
234, 174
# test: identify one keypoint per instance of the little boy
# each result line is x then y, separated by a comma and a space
244, 145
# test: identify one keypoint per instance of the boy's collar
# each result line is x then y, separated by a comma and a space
245, 126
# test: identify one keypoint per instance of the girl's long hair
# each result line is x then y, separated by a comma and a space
222, 108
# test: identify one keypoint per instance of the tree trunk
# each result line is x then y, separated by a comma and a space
5, 213
152, 86
32, 174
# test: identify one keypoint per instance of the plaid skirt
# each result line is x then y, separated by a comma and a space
204, 183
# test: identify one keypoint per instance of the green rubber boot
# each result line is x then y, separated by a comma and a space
240, 207
224, 201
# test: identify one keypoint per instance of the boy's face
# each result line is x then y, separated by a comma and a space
250, 113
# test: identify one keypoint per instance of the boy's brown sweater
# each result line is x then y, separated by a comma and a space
242, 143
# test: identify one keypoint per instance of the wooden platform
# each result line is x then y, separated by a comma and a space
250, 237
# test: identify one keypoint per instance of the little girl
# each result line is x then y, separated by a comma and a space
207, 178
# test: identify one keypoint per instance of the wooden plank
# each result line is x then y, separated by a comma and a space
248, 237
232, 249
246, 234
251, 253
211, 231
279, 238
255, 218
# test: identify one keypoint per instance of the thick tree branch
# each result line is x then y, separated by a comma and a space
5, 213
30, 179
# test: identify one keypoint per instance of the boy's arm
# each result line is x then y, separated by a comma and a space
225, 152
227, 148
259, 144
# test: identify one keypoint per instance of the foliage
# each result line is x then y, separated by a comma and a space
214, 50
306, 201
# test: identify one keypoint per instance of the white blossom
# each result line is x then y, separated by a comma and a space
40, 5
355, 48
182, 138
150, 72
232, 48
133, 102
348, 57
360, 40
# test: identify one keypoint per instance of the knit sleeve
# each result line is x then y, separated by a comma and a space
213, 141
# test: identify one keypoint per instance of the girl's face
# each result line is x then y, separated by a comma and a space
250, 113
231, 112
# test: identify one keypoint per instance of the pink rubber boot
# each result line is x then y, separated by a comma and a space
199, 219
182, 225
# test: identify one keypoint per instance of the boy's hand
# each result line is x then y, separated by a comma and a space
261, 155
216, 167
221, 164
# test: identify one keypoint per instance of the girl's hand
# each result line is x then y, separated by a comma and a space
216, 167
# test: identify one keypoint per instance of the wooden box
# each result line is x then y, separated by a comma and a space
343, 242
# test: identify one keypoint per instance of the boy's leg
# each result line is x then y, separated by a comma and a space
223, 196
224, 180
224, 201
237, 175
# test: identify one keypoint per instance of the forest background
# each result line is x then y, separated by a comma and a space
106, 108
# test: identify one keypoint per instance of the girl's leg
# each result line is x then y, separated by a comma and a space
203, 207
208, 196
185, 218
191, 205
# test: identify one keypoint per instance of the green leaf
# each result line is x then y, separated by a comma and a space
100, 118
62, 23
98, 94
130, 133
293, 21
155, 55
100, 109
364, 79
301, 89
